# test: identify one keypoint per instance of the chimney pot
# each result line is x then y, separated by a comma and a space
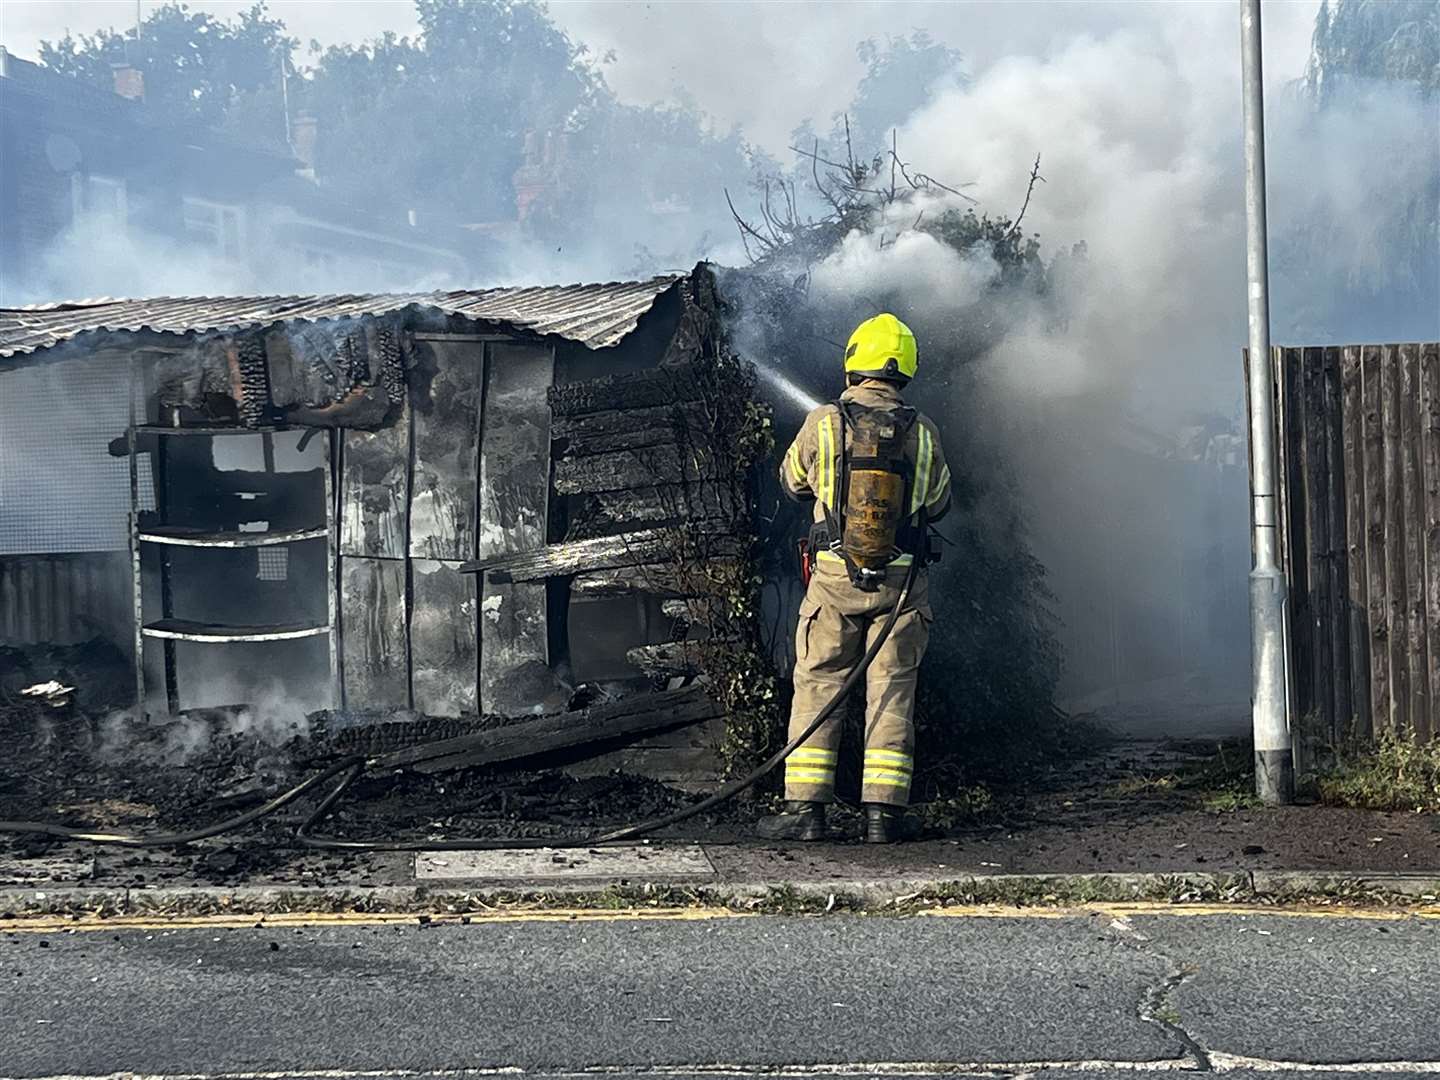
304, 134
129, 81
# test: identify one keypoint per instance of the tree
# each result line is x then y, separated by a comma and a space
901, 75
1357, 250
440, 121
1393, 40
664, 199
195, 66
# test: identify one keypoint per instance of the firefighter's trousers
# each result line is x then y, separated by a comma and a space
838, 622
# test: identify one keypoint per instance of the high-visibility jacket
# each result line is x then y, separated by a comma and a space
811, 468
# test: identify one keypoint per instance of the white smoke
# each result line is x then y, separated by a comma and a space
1118, 416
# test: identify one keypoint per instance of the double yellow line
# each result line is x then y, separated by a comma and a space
53, 924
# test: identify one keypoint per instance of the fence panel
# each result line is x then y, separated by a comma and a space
1351, 424
1358, 437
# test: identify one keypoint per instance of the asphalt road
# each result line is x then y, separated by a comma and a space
1092, 994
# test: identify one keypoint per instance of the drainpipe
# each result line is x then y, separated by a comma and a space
1274, 762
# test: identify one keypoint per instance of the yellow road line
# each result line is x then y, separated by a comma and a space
50, 924
1157, 907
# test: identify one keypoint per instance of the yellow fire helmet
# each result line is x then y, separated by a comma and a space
882, 348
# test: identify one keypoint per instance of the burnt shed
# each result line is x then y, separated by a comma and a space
450, 504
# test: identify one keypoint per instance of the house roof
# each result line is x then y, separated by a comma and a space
592, 315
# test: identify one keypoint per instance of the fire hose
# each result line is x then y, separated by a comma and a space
352, 768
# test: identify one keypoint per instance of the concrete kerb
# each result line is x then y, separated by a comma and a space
879, 896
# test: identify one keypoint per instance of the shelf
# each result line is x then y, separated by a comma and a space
200, 429
184, 537
186, 630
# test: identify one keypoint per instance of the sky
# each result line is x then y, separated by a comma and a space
764, 66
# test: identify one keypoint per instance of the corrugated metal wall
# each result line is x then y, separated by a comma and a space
65, 599
61, 490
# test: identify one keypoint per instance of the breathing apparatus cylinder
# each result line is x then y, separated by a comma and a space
867, 534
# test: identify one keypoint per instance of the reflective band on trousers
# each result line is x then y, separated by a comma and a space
888, 768
811, 765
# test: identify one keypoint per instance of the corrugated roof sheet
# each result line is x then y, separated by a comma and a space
593, 315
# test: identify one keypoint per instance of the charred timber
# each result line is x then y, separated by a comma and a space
714, 578
717, 505
600, 725
626, 469
662, 386
629, 429
601, 553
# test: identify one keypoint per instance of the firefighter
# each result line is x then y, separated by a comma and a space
877, 475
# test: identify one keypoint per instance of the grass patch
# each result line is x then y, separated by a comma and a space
1227, 802
1142, 785
1222, 781
1391, 775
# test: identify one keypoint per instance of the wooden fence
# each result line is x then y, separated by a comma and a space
1358, 430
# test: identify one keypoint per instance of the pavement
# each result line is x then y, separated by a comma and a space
1100, 991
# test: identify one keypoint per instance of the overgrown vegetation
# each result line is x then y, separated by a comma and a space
1392, 775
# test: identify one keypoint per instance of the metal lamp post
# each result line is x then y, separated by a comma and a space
1274, 762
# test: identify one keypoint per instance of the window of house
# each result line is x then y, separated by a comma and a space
218, 226
98, 199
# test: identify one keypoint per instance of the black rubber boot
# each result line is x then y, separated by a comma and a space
887, 824
799, 821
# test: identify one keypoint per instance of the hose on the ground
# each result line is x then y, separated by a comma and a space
239, 821
351, 768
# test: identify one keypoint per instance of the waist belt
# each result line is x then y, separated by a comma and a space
824, 554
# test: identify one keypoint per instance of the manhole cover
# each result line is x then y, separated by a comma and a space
556, 864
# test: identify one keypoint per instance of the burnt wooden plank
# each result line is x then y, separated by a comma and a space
595, 513
1376, 562
446, 384
375, 490
684, 757
1321, 702
1426, 727
625, 469
294, 380
639, 714
372, 620
444, 638
661, 419
600, 553
661, 579
1416, 646
1393, 508
514, 517
1353, 422
654, 387
1337, 563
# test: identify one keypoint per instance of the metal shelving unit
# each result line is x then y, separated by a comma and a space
169, 629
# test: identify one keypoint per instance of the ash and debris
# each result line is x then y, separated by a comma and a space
81, 762
1155, 805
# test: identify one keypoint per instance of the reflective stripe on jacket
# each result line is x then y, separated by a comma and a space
811, 467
